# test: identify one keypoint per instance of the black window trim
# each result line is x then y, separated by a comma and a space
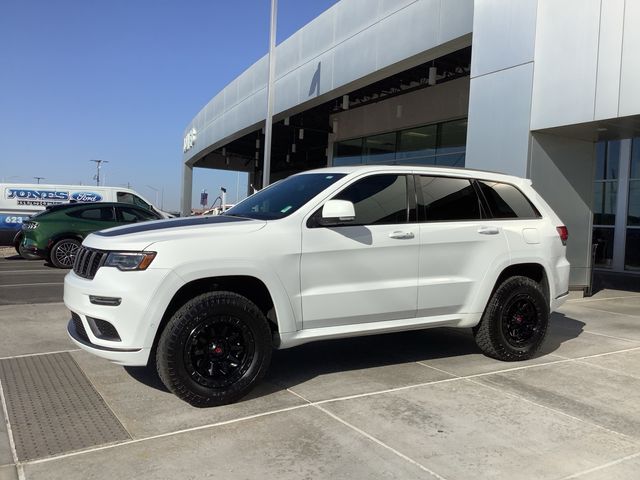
488, 208
420, 199
312, 221
143, 211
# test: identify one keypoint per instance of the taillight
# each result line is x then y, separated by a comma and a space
564, 233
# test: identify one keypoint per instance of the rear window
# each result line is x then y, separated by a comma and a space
104, 214
447, 199
506, 201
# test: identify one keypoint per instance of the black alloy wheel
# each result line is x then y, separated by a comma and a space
520, 320
214, 349
515, 321
219, 351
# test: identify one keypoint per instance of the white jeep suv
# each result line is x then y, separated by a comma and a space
327, 253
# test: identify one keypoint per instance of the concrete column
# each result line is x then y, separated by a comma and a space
562, 170
187, 188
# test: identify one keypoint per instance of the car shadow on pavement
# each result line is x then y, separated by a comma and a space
301, 364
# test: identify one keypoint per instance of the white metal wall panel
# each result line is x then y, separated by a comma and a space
351, 40
609, 58
503, 34
456, 19
566, 56
499, 113
630, 72
419, 17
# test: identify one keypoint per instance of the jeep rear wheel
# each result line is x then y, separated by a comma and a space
214, 349
515, 321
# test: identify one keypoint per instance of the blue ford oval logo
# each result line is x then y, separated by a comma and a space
86, 197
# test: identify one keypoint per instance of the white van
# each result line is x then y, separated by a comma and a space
18, 201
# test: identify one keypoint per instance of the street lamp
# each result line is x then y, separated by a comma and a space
38, 179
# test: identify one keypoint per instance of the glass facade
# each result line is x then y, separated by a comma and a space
616, 209
632, 244
436, 144
605, 197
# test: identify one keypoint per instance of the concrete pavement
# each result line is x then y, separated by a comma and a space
421, 404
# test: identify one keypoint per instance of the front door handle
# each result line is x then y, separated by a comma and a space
489, 230
399, 234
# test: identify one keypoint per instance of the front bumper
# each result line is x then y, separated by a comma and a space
144, 296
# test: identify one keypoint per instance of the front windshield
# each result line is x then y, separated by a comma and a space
285, 197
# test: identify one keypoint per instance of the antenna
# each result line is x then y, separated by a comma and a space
98, 166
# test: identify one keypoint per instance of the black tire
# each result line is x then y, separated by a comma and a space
17, 244
515, 321
63, 252
26, 255
214, 349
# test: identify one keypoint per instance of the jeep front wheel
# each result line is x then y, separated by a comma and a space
515, 321
214, 349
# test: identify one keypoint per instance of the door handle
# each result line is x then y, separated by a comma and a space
399, 234
489, 230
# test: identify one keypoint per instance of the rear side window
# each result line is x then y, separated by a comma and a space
378, 199
134, 215
126, 197
506, 201
447, 199
104, 214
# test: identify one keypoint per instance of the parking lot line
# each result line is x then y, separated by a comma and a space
161, 435
602, 467
585, 300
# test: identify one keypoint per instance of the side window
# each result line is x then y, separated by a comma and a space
378, 199
104, 214
131, 215
447, 199
506, 201
140, 203
125, 197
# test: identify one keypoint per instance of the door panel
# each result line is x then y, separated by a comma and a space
458, 246
367, 271
358, 274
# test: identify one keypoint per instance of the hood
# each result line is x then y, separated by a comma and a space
141, 235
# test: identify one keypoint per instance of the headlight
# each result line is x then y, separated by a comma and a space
128, 261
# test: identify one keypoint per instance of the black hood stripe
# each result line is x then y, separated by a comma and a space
173, 223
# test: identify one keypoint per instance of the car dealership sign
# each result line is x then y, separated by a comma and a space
189, 140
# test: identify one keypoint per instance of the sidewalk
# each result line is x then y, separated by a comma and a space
410, 405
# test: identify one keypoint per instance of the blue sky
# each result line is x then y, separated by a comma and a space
119, 80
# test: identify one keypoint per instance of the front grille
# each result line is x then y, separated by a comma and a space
77, 323
88, 261
103, 329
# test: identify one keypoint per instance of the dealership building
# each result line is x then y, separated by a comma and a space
543, 89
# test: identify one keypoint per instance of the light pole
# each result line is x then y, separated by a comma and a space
270, 91
98, 166
38, 179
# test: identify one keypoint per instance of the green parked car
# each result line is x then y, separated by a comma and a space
56, 233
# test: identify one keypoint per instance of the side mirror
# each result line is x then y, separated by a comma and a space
337, 212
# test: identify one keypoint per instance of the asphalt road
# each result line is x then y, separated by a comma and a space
29, 281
